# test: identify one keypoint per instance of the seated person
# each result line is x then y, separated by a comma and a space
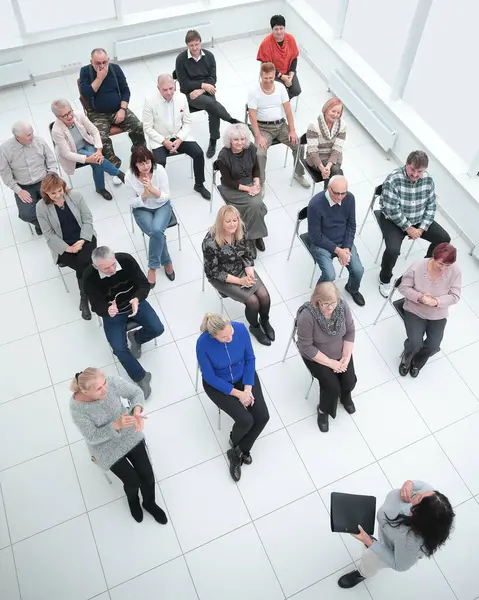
104, 87
117, 289
325, 141
430, 286
196, 73
77, 140
227, 362
114, 436
408, 207
167, 124
150, 202
228, 265
67, 225
331, 232
280, 48
240, 183
325, 341
25, 160
266, 103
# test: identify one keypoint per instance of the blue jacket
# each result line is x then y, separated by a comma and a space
330, 227
215, 364
110, 94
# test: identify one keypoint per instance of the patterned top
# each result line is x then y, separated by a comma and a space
323, 143
408, 204
229, 259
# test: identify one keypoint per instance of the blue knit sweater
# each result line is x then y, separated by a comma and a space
330, 227
223, 364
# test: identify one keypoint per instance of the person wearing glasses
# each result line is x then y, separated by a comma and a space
78, 141
331, 231
325, 330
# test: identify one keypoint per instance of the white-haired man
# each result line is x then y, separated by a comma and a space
167, 124
25, 159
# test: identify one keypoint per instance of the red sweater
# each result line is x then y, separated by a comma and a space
280, 56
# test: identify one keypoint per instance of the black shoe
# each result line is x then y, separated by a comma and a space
202, 191
135, 508
323, 422
246, 458
404, 365
211, 149
260, 335
356, 296
157, 513
267, 328
235, 121
135, 347
121, 176
171, 276
38, 230
260, 244
234, 457
348, 405
84, 307
105, 194
350, 580
414, 371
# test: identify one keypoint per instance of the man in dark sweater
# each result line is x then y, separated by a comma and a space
196, 73
103, 86
117, 289
331, 231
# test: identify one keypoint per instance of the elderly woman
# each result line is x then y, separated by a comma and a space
414, 522
151, 206
240, 183
228, 265
227, 362
325, 341
77, 140
67, 226
430, 286
114, 435
325, 140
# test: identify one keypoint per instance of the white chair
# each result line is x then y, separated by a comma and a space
292, 338
173, 223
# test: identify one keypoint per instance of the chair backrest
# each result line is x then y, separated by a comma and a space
303, 214
302, 139
378, 190
174, 75
83, 100
216, 165
246, 113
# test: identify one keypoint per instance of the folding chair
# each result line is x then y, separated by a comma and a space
192, 109
274, 143
313, 174
173, 223
196, 388
398, 304
214, 185
292, 338
77, 165
220, 295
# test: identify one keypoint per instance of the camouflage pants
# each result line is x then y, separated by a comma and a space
130, 124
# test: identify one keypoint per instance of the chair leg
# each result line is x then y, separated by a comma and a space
32, 229
219, 419
107, 477
222, 305
286, 157
379, 251
296, 107
312, 275
296, 229
132, 222
381, 311
309, 388
197, 376
364, 222
179, 238
410, 248
191, 168
203, 282
289, 343
341, 272
144, 244
63, 279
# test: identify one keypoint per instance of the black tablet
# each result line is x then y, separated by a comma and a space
350, 510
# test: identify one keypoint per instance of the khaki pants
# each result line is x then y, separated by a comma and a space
370, 563
278, 132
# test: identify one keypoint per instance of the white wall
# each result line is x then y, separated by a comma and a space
8, 24
328, 9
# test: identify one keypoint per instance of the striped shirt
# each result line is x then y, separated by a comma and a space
323, 144
408, 204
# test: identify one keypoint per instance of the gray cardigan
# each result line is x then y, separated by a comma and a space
95, 422
50, 225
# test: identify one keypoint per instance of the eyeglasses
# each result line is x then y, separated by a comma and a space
329, 304
338, 193
67, 115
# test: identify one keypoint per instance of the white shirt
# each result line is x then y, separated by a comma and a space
195, 59
269, 107
330, 200
159, 179
168, 114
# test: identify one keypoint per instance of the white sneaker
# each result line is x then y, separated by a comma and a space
117, 181
302, 180
385, 288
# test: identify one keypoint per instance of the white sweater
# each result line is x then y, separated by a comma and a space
135, 188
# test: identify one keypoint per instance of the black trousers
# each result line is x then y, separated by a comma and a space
249, 421
295, 89
193, 150
335, 170
216, 112
136, 473
27, 211
79, 261
416, 349
393, 237
332, 385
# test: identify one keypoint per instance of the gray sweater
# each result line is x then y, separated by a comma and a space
398, 547
95, 422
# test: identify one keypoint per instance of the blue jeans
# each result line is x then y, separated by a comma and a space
99, 170
115, 331
324, 258
153, 223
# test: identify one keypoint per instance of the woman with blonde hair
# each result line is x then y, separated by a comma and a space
114, 434
325, 341
228, 265
240, 182
325, 141
227, 362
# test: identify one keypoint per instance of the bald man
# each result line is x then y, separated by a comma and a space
331, 232
167, 123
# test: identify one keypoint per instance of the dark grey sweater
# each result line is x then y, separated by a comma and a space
191, 73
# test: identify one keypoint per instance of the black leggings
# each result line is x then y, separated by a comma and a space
258, 304
135, 471
79, 261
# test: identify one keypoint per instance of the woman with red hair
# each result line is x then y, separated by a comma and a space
325, 140
430, 286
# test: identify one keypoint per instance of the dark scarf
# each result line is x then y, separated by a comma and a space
330, 326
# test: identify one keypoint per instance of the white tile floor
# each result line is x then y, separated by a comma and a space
65, 533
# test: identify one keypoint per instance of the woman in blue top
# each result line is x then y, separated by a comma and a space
227, 362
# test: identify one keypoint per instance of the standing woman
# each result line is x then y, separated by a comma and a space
414, 522
240, 183
227, 362
326, 341
150, 202
325, 141
114, 435
430, 286
67, 226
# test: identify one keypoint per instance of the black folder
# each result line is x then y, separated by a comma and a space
350, 510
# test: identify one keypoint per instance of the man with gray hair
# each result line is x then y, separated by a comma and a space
25, 159
167, 124
117, 290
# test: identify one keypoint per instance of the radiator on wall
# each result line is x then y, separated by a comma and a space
158, 42
364, 113
14, 72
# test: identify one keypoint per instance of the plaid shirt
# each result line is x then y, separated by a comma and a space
408, 204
